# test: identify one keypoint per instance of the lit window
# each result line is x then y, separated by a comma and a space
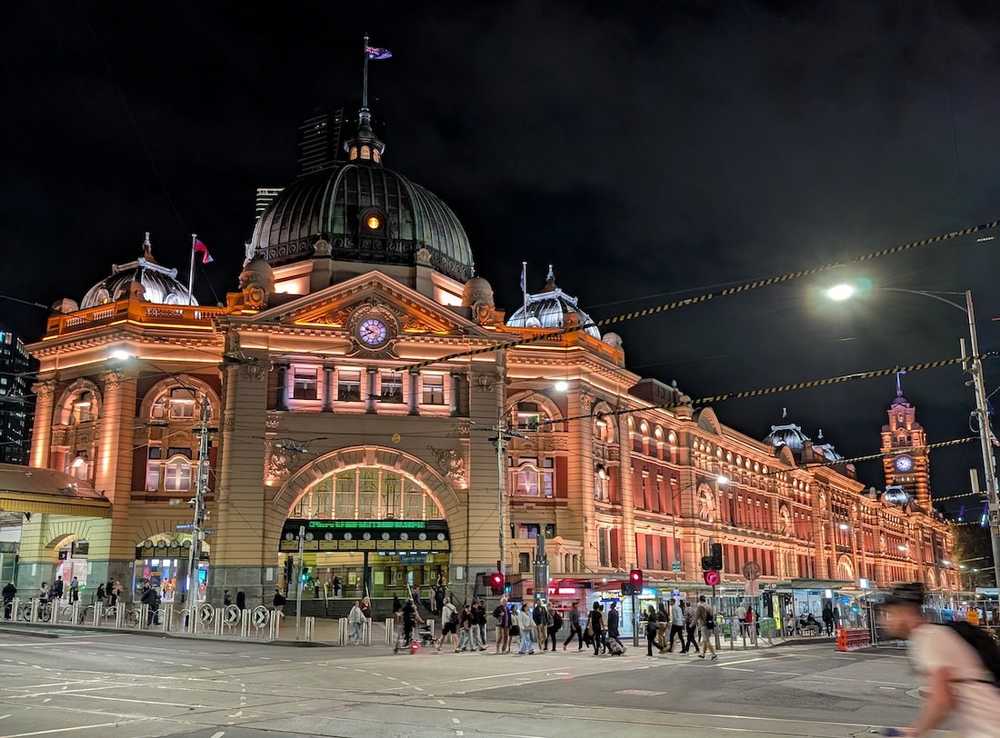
82, 408
392, 387
354, 153
153, 476
177, 475
304, 384
181, 403
373, 222
527, 416
528, 480
376, 156
365, 152
433, 389
349, 385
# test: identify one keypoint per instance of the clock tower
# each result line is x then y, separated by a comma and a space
906, 464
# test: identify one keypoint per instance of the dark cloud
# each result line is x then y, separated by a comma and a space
643, 149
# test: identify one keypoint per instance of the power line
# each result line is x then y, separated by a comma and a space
740, 288
780, 388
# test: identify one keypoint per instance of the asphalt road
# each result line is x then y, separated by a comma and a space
105, 684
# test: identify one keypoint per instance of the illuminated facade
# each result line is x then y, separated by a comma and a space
356, 274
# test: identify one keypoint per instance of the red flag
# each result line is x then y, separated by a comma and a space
201, 248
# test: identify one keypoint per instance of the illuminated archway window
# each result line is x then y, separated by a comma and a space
367, 493
365, 152
79, 407
531, 479
177, 474
177, 403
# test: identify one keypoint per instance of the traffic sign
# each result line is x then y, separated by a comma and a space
751, 570
712, 578
676, 566
184, 526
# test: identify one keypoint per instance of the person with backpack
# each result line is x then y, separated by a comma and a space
574, 627
449, 624
958, 662
705, 619
555, 623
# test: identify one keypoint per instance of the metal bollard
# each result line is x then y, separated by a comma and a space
309, 628
366, 632
120, 616
274, 626
245, 624
76, 612
168, 616
15, 606
342, 632
143, 617
390, 631
217, 618
33, 618
430, 624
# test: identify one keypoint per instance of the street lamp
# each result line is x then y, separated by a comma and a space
845, 291
561, 385
844, 526
722, 479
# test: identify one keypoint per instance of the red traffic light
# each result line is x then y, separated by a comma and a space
635, 578
496, 582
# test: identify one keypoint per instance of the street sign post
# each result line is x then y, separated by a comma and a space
676, 567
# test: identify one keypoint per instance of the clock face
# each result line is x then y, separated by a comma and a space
903, 463
373, 332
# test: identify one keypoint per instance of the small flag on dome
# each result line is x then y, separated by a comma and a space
376, 53
200, 248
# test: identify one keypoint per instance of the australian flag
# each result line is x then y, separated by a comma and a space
377, 54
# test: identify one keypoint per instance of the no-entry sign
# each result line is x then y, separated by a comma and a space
712, 578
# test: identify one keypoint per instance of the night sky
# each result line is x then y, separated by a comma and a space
643, 151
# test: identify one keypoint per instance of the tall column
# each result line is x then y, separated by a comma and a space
41, 434
112, 555
454, 393
327, 389
369, 390
628, 552
579, 523
282, 370
245, 546
414, 396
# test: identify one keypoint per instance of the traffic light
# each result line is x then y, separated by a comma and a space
714, 559
305, 575
497, 582
635, 579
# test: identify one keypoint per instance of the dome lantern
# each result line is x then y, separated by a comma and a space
143, 277
552, 308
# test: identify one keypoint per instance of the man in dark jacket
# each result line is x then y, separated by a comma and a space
574, 627
554, 626
613, 618
9, 593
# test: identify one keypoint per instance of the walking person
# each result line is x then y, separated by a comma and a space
74, 591
574, 627
613, 621
502, 615
410, 620
9, 593
662, 625
827, 618
958, 664
478, 625
705, 619
278, 602
57, 588
356, 619
538, 623
650, 629
526, 624
555, 623
241, 600
449, 625
101, 595
227, 599
465, 629
690, 626
676, 626
596, 625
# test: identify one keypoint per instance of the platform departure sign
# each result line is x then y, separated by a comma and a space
386, 536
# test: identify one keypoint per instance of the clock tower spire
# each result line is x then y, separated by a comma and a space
907, 464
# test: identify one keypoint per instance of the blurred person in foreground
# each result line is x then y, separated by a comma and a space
958, 664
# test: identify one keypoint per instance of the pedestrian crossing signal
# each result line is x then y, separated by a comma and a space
497, 582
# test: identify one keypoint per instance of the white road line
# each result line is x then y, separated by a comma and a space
759, 658
38, 645
60, 730
141, 702
4, 717
500, 676
218, 734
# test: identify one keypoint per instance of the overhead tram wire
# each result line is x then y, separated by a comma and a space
737, 289
780, 388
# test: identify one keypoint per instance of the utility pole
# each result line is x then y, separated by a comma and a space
503, 435
985, 435
198, 503
298, 591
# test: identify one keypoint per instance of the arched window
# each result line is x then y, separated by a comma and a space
79, 466
531, 479
177, 474
367, 493
177, 403
528, 415
79, 407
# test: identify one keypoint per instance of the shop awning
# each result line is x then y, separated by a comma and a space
28, 489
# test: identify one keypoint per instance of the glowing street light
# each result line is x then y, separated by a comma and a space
844, 526
561, 385
119, 354
722, 479
841, 292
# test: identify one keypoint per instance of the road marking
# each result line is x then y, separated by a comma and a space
456, 721
4, 717
759, 658
141, 702
37, 645
639, 692
218, 734
500, 676
60, 730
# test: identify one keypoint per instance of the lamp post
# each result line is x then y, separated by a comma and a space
841, 292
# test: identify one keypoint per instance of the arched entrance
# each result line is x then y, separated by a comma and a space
367, 520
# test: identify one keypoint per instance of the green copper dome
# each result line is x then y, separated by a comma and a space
366, 213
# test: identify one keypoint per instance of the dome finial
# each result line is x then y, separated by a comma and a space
784, 413
147, 248
819, 435
365, 146
550, 280
899, 383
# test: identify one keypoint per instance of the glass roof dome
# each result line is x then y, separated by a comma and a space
159, 284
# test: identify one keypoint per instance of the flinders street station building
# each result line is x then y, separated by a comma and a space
346, 402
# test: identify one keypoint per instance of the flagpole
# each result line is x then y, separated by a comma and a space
364, 86
194, 237
524, 287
